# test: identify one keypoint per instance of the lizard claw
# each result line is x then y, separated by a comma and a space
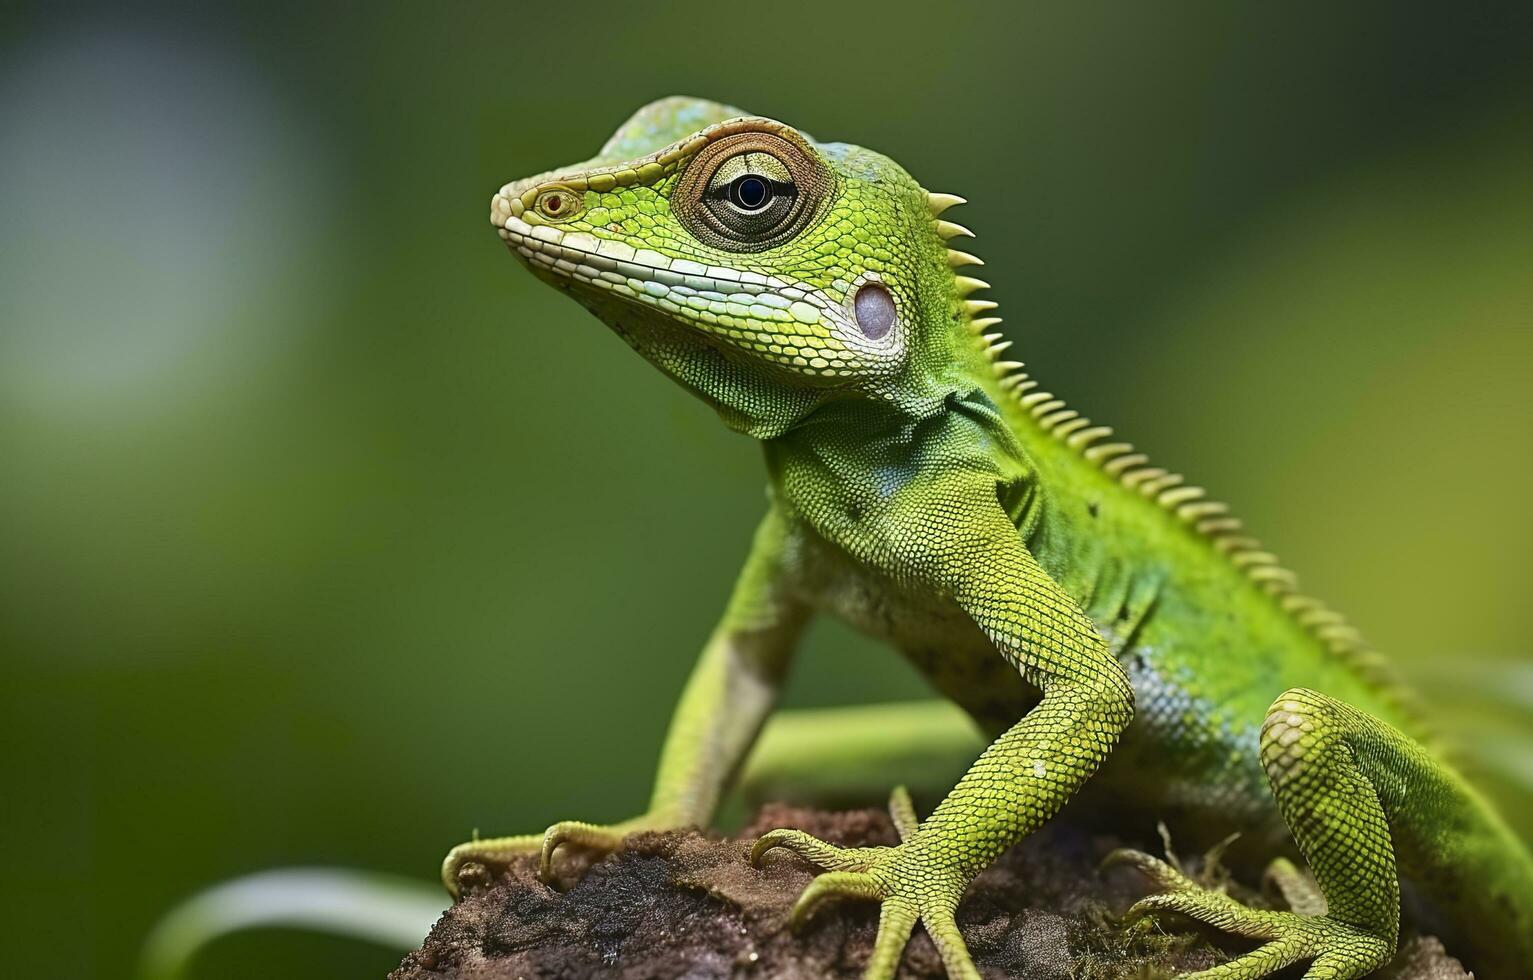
591, 836
1337, 950
467, 867
827, 857
833, 884
907, 879
459, 867
1164, 876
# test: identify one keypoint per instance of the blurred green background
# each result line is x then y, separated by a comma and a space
328, 535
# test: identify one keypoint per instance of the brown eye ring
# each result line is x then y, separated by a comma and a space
708, 203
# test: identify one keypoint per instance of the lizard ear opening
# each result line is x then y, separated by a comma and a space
749, 191
874, 311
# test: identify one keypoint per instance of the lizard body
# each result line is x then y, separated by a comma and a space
1096, 617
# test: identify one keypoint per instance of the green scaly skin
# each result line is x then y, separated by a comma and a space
1045, 578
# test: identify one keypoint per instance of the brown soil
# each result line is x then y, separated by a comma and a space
688, 905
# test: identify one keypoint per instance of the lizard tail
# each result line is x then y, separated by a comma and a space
1488, 705
384, 909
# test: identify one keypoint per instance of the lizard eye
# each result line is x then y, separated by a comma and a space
749, 191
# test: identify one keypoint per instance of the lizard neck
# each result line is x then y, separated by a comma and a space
849, 466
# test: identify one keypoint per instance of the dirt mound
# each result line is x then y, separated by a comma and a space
689, 905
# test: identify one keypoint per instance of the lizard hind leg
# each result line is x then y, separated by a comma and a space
1335, 773
1339, 951
1357, 795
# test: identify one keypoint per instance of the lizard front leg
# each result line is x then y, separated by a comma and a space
959, 543
729, 695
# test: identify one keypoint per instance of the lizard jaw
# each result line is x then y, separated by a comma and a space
790, 318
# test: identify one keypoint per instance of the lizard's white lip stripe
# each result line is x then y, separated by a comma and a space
715, 294
605, 261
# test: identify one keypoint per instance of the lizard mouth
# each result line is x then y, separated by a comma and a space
644, 275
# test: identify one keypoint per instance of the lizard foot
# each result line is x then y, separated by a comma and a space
909, 880
1334, 949
465, 864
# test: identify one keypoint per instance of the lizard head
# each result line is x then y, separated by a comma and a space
763, 271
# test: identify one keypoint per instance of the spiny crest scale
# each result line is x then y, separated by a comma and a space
1132, 469
949, 229
938, 203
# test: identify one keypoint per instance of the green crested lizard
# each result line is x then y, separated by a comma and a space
1091, 613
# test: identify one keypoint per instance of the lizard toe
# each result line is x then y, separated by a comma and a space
826, 857
1164, 876
470, 864
911, 884
1337, 950
832, 885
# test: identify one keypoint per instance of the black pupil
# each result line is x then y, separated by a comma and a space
751, 192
